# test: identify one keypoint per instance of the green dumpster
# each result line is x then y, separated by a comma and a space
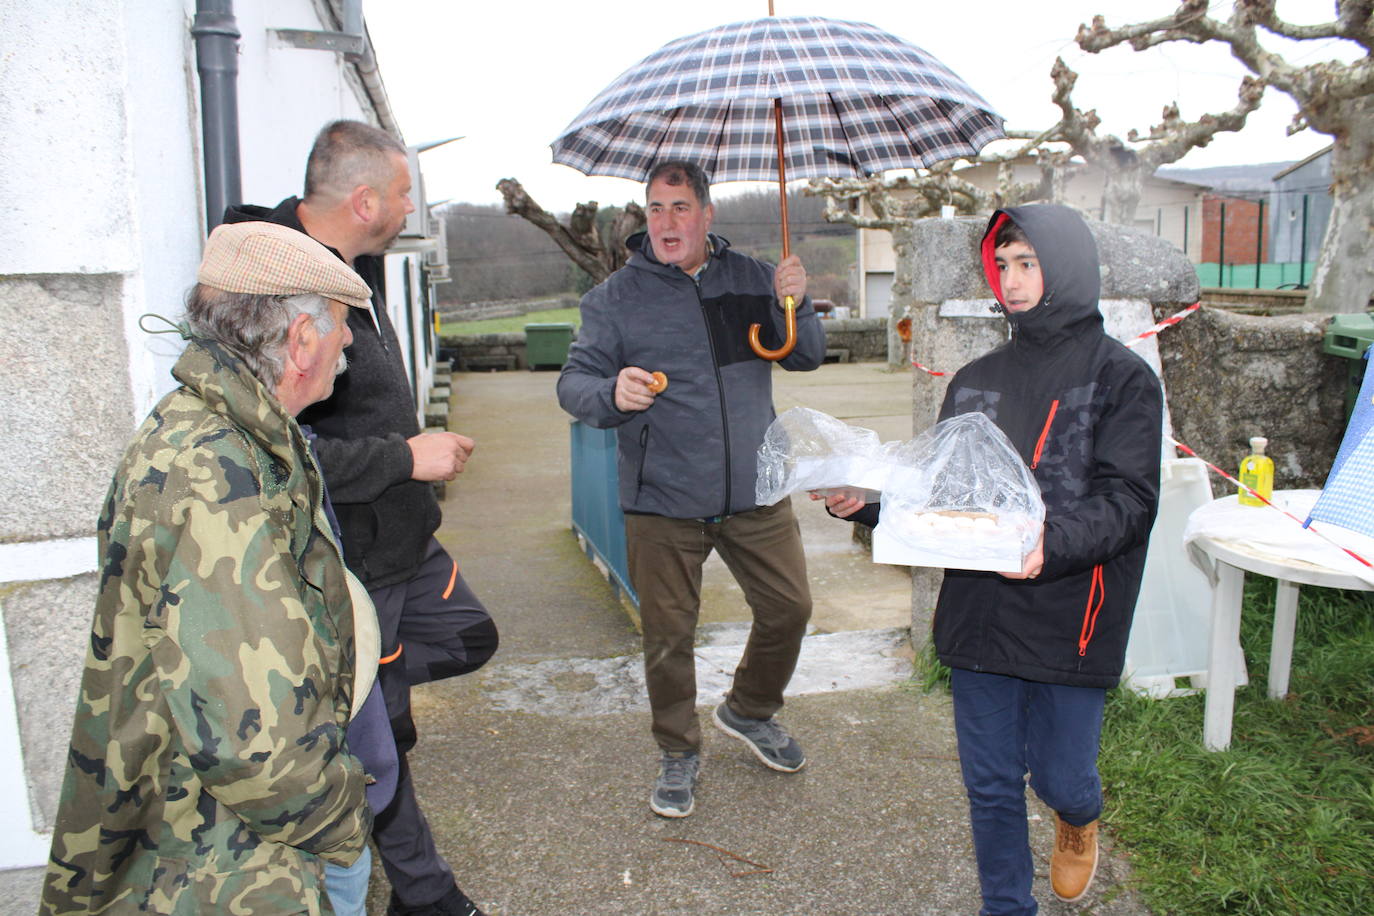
547, 344
1351, 336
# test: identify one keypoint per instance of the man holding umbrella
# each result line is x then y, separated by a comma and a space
681, 309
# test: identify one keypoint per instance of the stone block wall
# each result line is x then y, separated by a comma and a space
485, 352
864, 338
1230, 376
67, 410
66, 419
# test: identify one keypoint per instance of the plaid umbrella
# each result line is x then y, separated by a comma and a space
855, 100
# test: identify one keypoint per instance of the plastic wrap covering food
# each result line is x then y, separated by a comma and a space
805, 449
963, 499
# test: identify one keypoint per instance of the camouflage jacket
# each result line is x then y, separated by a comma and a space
208, 771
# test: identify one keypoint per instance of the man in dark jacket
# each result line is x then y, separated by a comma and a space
682, 306
379, 467
1033, 651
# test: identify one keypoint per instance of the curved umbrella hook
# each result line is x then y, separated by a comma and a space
789, 307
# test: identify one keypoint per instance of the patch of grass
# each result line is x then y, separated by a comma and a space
929, 673
515, 324
1283, 821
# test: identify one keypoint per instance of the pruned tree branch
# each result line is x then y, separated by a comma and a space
1310, 86
1332, 97
597, 254
1173, 138
1125, 166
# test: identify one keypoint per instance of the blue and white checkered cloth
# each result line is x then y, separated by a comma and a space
1348, 497
856, 101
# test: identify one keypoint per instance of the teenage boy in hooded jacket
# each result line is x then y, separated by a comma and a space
1034, 651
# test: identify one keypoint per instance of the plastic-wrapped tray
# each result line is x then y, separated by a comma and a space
951, 539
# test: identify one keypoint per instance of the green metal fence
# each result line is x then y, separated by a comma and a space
1292, 275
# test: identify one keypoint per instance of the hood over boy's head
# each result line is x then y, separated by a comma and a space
1062, 245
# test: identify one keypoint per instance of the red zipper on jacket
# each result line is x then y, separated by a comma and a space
1096, 592
1044, 434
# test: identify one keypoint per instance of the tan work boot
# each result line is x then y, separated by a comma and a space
1074, 861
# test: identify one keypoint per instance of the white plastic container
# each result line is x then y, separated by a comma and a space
1172, 627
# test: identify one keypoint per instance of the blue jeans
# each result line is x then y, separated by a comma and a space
1007, 727
347, 887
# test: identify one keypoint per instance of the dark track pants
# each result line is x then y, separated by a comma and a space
442, 630
1007, 727
763, 550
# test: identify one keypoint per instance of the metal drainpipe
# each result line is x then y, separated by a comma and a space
217, 39
366, 65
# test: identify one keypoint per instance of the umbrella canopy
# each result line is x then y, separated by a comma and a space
855, 101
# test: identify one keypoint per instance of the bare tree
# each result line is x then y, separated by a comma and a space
600, 252
1127, 167
1332, 97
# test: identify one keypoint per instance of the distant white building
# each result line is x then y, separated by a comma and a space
103, 160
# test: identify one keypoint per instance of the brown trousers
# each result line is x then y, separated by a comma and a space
763, 550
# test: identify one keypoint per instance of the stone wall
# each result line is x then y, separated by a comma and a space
1230, 376
484, 352
865, 339
853, 340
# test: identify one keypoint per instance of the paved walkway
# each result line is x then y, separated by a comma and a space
535, 771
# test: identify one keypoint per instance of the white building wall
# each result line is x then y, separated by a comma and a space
286, 95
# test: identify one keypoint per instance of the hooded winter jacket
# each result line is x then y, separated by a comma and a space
1086, 414
387, 518
693, 453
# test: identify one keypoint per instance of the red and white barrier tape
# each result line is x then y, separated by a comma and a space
1187, 451
1167, 322
1135, 341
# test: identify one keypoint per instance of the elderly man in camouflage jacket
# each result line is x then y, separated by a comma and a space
208, 771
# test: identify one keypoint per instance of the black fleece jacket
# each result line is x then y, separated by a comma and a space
1086, 415
386, 517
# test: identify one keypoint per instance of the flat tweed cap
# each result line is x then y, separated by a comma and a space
270, 260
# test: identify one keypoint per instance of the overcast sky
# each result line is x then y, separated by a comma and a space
509, 76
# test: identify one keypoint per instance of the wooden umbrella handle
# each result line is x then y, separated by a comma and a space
789, 307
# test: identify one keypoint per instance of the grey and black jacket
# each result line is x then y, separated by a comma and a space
693, 453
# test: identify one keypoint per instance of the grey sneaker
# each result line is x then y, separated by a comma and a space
769, 741
677, 777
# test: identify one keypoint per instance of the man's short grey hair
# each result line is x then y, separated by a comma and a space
347, 154
252, 326
677, 172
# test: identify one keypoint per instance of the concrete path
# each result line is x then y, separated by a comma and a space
536, 770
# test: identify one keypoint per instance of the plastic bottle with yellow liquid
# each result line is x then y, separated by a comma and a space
1257, 473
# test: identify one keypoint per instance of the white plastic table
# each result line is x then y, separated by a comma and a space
1233, 559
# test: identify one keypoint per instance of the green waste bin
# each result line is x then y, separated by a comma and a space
546, 345
1351, 336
